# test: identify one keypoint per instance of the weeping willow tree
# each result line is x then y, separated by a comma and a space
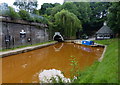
67, 23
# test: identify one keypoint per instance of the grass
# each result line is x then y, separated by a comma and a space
105, 71
3, 50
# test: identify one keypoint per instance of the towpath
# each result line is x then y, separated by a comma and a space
23, 50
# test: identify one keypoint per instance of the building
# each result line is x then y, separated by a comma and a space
104, 32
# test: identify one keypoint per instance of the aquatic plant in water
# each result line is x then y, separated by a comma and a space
75, 69
53, 76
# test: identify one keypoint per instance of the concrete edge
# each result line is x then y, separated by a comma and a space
102, 56
23, 50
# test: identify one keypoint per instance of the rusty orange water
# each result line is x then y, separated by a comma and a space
25, 67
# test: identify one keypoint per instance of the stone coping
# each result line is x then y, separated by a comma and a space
102, 56
20, 21
23, 50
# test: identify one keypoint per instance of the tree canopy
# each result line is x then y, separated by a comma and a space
67, 23
47, 5
99, 14
91, 14
71, 17
28, 5
114, 17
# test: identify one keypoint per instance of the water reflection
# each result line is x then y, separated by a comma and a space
24, 65
58, 47
24, 68
86, 49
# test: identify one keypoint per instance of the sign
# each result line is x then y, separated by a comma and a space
22, 34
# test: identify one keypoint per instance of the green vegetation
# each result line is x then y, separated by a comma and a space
89, 15
31, 17
70, 18
24, 14
46, 8
67, 23
105, 71
75, 69
13, 14
99, 14
114, 17
27, 46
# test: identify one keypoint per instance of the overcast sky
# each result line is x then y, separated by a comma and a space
40, 2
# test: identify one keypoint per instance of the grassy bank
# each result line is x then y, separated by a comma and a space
105, 71
26, 46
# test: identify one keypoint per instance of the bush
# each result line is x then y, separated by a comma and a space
24, 15
13, 14
9, 11
31, 19
38, 20
45, 21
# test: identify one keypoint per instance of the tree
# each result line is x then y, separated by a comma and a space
35, 11
28, 5
99, 14
71, 7
48, 11
56, 4
84, 13
54, 10
67, 23
114, 17
45, 6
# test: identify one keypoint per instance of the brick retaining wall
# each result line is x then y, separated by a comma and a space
36, 32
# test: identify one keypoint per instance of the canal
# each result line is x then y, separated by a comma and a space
25, 67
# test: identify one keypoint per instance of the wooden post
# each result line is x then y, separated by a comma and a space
103, 36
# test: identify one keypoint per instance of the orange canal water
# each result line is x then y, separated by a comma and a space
25, 67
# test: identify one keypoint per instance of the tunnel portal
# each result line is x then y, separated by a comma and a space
58, 37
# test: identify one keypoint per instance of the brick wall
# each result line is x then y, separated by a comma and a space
10, 33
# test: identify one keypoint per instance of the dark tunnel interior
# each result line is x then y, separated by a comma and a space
58, 38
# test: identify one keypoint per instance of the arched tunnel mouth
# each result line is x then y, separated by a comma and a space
58, 38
